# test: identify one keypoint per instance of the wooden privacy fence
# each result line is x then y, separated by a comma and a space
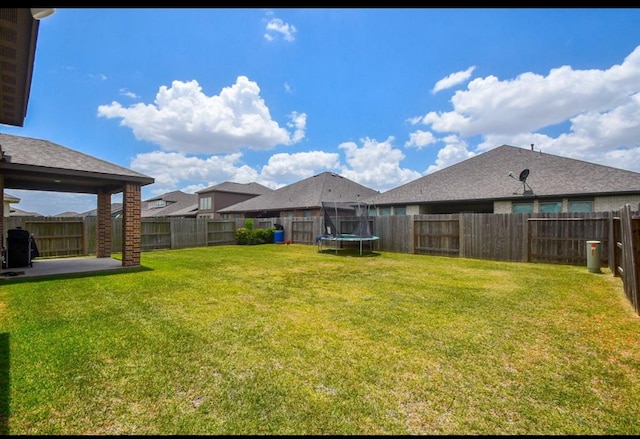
552, 238
626, 254
559, 238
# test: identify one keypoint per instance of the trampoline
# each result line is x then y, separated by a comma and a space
346, 223
335, 240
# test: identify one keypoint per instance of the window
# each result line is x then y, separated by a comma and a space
205, 203
581, 206
288, 214
522, 208
157, 203
400, 210
550, 207
385, 211
306, 214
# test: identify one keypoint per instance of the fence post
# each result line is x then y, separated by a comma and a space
630, 266
461, 234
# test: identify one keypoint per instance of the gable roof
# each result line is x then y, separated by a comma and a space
37, 164
189, 211
116, 208
8, 198
178, 203
305, 194
486, 177
67, 214
20, 212
238, 188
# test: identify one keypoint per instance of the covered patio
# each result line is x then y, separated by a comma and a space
38, 164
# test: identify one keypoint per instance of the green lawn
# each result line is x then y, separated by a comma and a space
281, 339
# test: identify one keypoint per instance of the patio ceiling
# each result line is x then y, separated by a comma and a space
18, 37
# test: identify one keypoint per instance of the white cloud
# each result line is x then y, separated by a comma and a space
453, 79
375, 164
298, 124
295, 167
420, 139
602, 107
129, 94
170, 170
276, 26
184, 119
455, 151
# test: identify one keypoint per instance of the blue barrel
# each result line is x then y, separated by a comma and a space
278, 236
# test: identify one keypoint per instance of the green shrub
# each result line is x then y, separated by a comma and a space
263, 236
249, 235
242, 236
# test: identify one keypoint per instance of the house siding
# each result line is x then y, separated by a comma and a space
220, 200
616, 202
600, 204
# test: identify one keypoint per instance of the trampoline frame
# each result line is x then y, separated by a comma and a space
346, 237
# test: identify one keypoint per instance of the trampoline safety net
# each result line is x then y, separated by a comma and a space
346, 218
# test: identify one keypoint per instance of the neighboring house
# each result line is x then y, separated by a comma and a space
116, 211
172, 204
8, 200
68, 214
491, 183
301, 199
9, 210
18, 212
214, 198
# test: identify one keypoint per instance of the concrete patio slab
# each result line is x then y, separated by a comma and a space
55, 266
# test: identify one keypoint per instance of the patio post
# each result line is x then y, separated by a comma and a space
103, 246
131, 226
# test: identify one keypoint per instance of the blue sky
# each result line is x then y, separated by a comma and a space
197, 97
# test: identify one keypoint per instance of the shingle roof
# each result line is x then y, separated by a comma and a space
178, 203
67, 214
11, 198
36, 164
305, 194
19, 212
238, 188
486, 177
188, 211
115, 208
46, 154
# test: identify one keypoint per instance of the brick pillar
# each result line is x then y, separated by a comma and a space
131, 226
103, 246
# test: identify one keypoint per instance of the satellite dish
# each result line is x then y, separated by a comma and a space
523, 178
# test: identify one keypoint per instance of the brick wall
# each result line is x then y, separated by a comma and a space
131, 226
103, 244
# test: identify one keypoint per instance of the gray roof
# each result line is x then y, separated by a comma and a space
10, 198
67, 214
19, 212
238, 188
38, 164
486, 177
305, 194
188, 211
178, 203
115, 208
